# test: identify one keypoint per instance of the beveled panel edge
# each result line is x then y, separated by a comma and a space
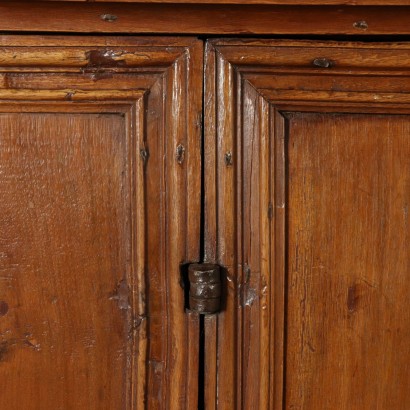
56, 41
69, 95
56, 102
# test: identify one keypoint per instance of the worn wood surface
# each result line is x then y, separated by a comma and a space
348, 321
255, 2
96, 215
218, 19
66, 331
310, 220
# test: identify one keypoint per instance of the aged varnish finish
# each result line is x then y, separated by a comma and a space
219, 19
347, 333
204, 205
91, 195
311, 222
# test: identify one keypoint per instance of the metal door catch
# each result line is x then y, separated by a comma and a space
204, 288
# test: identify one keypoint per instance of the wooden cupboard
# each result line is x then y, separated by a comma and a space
125, 158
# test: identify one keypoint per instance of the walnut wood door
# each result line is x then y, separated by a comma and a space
99, 204
307, 208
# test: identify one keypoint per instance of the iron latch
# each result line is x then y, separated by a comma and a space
204, 288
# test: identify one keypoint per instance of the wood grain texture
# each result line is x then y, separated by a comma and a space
67, 329
196, 19
348, 322
211, 359
220, 238
279, 2
254, 90
92, 231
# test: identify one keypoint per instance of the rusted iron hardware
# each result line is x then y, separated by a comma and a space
361, 25
108, 17
228, 159
204, 288
322, 62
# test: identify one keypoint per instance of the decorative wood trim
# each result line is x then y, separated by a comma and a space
241, 19
159, 94
251, 87
259, 2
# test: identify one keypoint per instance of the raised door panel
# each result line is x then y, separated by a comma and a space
348, 322
99, 153
307, 196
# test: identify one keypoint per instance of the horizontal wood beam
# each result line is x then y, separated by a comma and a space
78, 17
278, 2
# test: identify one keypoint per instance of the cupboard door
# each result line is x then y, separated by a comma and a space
99, 205
307, 208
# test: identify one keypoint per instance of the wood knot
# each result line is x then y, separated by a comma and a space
352, 298
4, 308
